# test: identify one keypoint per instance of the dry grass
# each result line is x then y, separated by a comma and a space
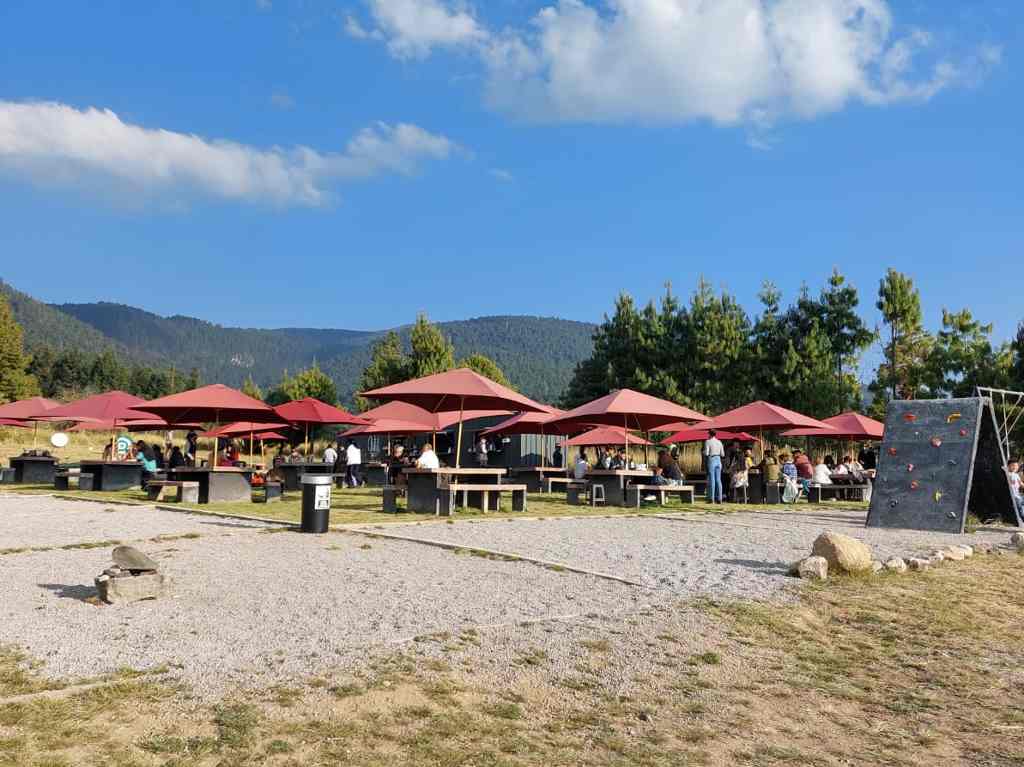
895, 670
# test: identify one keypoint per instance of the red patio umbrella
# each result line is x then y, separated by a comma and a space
310, 410
391, 426
142, 424
240, 429
532, 423
25, 409
106, 411
14, 422
629, 409
210, 403
605, 435
851, 425
764, 416
700, 435
455, 391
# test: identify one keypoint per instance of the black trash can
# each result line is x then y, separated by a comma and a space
316, 502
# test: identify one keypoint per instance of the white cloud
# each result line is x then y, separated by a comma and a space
413, 28
728, 61
502, 175
94, 148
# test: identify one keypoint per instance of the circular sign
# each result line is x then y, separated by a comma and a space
59, 439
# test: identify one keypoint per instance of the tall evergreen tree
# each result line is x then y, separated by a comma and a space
251, 388
313, 382
388, 364
486, 367
717, 351
908, 345
432, 352
15, 381
963, 357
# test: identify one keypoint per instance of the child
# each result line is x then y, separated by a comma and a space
1013, 474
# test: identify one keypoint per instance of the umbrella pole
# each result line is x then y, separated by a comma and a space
306, 446
543, 453
35, 434
216, 427
252, 447
458, 442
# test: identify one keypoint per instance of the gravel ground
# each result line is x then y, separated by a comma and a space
251, 607
31, 521
742, 555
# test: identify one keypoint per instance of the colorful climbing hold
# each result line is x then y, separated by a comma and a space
910, 467
938, 496
909, 417
914, 484
892, 451
936, 441
963, 432
953, 418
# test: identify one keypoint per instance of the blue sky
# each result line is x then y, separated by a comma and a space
348, 164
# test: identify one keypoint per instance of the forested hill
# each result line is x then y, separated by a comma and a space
538, 354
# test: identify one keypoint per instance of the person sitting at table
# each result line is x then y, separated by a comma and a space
867, 458
556, 457
177, 458
295, 456
804, 469
788, 467
428, 458
822, 475
144, 455
658, 477
581, 467
769, 467
158, 455
397, 461
191, 447
620, 461
830, 462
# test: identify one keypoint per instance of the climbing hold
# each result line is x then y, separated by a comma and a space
952, 418
936, 441
909, 417
963, 432
952, 462
938, 496
914, 484
910, 467
894, 503
892, 451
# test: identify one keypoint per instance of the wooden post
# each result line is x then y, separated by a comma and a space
458, 443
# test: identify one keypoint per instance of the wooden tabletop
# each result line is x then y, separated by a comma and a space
538, 468
126, 462
620, 473
219, 469
453, 470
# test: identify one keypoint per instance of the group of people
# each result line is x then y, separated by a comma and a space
607, 459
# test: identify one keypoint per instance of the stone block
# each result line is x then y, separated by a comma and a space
813, 569
121, 589
895, 565
843, 553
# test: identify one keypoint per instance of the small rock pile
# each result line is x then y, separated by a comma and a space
836, 553
133, 576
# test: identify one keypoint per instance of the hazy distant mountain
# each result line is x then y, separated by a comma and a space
537, 353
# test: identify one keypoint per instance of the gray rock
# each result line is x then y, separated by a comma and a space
895, 565
982, 547
953, 553
130, 558
1017, 539
876, 566
915, 563
843, 553
813, 569
114, 591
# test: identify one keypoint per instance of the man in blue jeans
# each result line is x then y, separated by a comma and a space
714, 451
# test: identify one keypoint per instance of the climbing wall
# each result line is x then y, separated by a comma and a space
940, 460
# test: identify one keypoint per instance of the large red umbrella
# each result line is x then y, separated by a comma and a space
700, 435
311, 411
14, 422
629, 409
26, 409
141, 424
605, 435
240, 429
527, 423
211, 403
455, 391
392, 426
764, 416
852, 426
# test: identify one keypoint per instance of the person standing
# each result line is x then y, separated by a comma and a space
191, 447
353, 465
714, 452
556, 457
330, 455
481, 452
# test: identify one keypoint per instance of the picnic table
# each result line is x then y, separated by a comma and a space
422, 485
34, 469
112, 475
614, 482
217, 485
534, 476
375, 473
291, 473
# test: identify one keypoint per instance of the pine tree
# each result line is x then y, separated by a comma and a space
904, 371
486, 367
313, 382
432, 352
963, 357
250, 388
15, 381
281, 392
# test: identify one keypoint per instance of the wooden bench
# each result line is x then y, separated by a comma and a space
268, 492
838, 491
635, 493
62, 480
184, 492
453, 490
582, 493
550, 482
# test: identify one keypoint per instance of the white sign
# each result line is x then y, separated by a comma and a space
322, 498
59, 439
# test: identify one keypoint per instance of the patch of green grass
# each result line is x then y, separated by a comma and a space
705, 659
503, 710
236, 723
597, 645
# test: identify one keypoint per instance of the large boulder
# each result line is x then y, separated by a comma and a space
843, 553
896, 565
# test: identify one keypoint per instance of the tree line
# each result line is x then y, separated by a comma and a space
711, 355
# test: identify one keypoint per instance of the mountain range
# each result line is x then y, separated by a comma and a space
537, 354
